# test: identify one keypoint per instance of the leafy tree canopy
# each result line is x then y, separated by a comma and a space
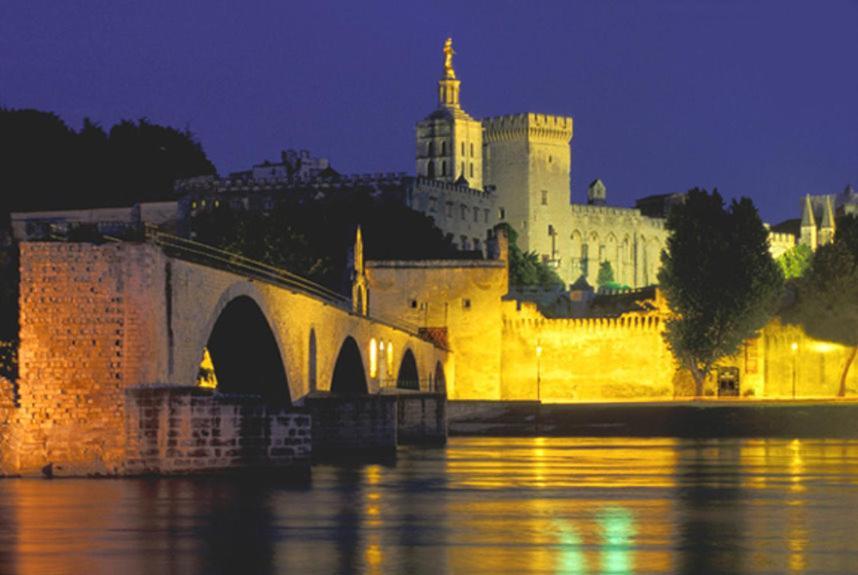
312, 235
795, 262
719, 279
525, 268
47, 165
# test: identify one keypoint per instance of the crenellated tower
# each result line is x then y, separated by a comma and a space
449, 141
528, 160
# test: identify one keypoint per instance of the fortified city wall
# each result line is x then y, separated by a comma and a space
587, 359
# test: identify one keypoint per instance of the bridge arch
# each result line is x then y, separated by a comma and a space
349, 374
409, 376
245, 352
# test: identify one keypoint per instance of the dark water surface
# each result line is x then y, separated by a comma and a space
479, 506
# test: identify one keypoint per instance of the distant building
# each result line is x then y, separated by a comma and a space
523, 162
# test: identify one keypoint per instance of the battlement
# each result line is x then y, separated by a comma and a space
425, 184
246, 183
587, 324
781, 238
530, 126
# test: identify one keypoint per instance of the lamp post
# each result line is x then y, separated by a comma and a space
793, 347
538, 373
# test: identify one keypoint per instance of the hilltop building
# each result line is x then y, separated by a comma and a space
524, 161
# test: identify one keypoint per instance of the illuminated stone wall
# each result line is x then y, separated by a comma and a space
88, 315
591, 359
769, 365
462, 296
7, 416
174, 429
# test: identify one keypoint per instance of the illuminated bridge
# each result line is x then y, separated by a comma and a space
100, 319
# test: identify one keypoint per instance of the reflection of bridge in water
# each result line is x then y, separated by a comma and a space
100, 319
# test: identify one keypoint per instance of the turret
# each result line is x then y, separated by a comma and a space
808, 225
827, 227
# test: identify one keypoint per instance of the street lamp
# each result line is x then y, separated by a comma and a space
793, 347
538, 373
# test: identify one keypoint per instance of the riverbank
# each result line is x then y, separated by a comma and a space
706, 418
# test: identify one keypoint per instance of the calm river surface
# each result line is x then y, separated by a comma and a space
480, 505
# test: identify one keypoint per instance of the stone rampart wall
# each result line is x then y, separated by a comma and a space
173, 429
585, 360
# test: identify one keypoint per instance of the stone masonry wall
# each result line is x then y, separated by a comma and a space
172, 429
88, 323
7, 416
591, 359
344, 424
421, 418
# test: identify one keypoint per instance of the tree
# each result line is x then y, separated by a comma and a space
310, 234
605, 279
525, 268
719, 279
795, 262
826, 297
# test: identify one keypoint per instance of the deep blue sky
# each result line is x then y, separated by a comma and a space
755, 97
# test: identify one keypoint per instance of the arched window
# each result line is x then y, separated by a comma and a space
443, 147
430, 170
443, 168
431, 149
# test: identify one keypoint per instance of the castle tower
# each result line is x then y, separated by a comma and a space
827, 227
808, 225
449, 141
528, 159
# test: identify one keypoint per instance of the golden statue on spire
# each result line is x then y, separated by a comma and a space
449, 73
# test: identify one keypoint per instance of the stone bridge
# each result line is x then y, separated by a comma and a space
98, 319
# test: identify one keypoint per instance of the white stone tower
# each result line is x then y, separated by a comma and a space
528, 160
449, 141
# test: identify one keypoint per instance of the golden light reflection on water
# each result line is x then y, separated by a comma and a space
478, 506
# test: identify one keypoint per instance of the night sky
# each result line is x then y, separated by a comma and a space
755, 97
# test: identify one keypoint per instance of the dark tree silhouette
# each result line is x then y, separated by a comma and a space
719, 279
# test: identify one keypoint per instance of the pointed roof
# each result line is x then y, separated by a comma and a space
827, 214
807, 219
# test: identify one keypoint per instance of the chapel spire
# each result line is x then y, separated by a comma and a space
448, 85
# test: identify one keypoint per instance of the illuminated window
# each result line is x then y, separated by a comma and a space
389, 359
373, 358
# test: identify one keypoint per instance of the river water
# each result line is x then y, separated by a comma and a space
480, 505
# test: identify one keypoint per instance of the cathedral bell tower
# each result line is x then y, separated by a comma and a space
449, 141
